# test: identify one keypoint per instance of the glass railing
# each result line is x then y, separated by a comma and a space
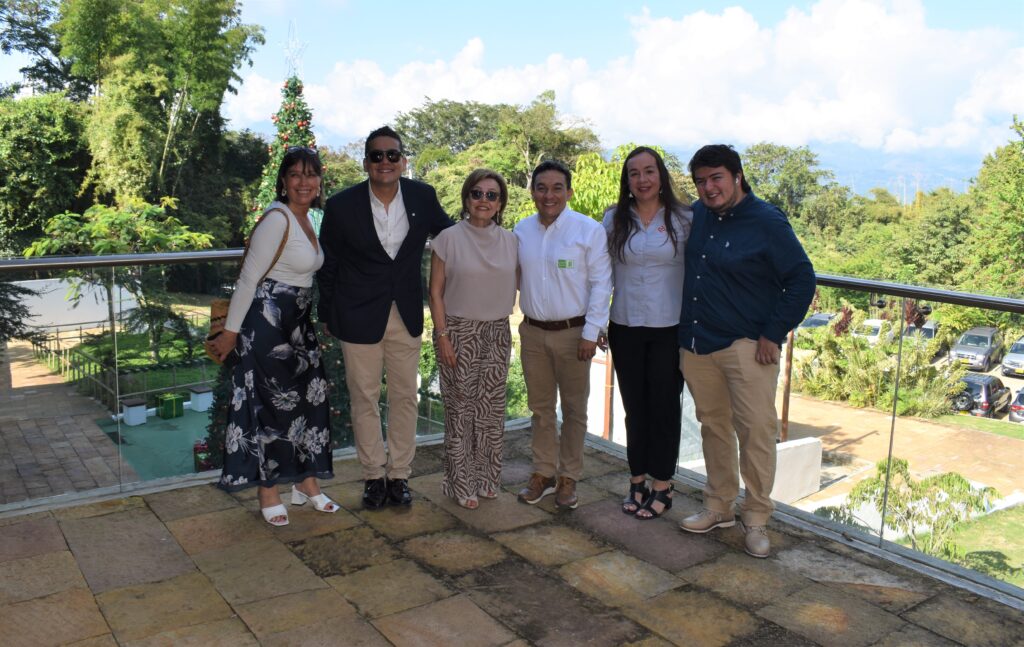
892, 432
113, 392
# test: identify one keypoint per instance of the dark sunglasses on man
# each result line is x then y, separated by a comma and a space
393, 155
477, 194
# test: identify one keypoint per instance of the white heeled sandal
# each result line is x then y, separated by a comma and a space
321, 501
275, 511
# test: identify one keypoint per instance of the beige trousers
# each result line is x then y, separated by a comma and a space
552, 369
735, 400
397, 355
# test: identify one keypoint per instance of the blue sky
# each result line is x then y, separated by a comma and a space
888, 92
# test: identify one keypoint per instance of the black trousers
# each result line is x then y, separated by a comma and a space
647, 367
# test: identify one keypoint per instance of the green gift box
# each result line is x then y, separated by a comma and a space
170, 405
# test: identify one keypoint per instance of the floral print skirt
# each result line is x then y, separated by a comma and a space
279, 427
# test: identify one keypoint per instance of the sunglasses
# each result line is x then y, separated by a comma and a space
477, 194
295, 149
376, 157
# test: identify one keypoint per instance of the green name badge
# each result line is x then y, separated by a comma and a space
565, 264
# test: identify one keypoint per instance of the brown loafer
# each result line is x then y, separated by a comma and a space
565, 494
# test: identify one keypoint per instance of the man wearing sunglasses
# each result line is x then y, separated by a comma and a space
371, 298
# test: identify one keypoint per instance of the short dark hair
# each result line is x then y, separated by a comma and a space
383, 131
478, 176
308, 158
715, 155
552, 165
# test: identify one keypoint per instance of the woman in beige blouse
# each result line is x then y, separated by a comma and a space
472, 291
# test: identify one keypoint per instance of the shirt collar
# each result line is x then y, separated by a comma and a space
377, 202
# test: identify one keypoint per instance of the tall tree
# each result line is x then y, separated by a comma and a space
43, 159
786, 177
448, 125
26, 26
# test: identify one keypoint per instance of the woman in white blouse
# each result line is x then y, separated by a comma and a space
278, 427
647, 232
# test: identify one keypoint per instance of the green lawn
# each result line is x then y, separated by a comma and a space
994, 544
1001, 427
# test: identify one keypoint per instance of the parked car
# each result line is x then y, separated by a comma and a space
1017, 408
979, 348
924, 334
873, 331
1013, 362
816, 320
982, 395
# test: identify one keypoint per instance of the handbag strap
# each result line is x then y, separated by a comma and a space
280, 248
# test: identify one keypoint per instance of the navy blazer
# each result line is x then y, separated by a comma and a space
358, 280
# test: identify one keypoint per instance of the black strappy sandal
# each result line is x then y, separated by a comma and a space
630, 505
662, 497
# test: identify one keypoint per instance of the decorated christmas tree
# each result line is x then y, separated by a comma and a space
293, 121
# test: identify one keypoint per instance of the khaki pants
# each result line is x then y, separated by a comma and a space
551, 368
398, 354
735, 400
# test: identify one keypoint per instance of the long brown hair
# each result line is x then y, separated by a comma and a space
623, 226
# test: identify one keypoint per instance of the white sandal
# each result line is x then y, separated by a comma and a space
275, 511
321, 501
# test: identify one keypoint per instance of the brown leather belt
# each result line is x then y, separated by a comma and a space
563, 324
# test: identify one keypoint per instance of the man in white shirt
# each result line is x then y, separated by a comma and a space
371, 298
564, 293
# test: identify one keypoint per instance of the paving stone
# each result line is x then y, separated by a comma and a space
745, 580
428, 459
28, 538
345, 470
516, 471
598, 464
402, 522
658, 541
649, 641
616, 482
832, 617
356, 632
618, 579
545, 610
106, 640
305, 521
454, 551
189, 502
453, 621
256, 570
966, 623
218, 529
344, 551
550, 545
389, 588
137, 612
348, 495
886, 589
913, 636
688, 617
287, 612
101, 508
772, 635
493, 515
56, 619
230, 631
33, 577
124, 549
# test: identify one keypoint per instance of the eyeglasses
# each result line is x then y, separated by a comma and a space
477, 194
376, 157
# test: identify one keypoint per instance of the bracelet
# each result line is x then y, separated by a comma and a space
441, 333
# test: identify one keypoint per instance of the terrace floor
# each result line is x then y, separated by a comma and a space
196, 566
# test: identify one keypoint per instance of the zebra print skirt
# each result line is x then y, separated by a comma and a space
474, 401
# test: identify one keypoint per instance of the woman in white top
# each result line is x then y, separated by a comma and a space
472, 292
647, 232
279, 420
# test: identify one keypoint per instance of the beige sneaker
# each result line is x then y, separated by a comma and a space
539, 487
706, 521
565, 495
755, 540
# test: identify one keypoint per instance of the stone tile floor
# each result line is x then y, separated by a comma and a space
196, 566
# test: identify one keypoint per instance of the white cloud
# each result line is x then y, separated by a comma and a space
867, 72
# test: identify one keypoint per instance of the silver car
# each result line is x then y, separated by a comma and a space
1013, 362
1017, 408
979, 348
